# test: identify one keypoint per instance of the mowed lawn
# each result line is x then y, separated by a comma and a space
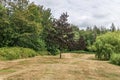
71, 67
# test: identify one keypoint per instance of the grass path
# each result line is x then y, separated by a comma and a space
70, 67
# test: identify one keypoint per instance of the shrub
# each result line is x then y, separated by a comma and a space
16, 53
106, 44
104, 51
115, 59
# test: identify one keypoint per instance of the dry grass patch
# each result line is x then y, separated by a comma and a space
70, 67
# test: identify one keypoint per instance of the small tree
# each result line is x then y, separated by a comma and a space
64, 33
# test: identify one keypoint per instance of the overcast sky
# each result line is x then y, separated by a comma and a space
86, 12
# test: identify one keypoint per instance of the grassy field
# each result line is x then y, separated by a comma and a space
70, 67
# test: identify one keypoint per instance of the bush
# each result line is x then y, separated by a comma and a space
104, 51
115, 59
106, 44
16, 53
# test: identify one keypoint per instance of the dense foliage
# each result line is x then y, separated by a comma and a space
107, 44
16, 53
22, 27
115, 59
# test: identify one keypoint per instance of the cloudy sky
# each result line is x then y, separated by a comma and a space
86, 12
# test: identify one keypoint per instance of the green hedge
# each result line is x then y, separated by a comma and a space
16, 53
115, 59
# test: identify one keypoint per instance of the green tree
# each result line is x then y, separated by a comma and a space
81, 43
64, 33
27, 27
107, 44
76, 32
5, 29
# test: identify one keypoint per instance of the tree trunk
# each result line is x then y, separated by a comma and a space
60, 55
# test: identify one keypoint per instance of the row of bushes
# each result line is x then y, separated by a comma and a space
16, 53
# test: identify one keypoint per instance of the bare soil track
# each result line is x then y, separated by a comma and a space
71, 67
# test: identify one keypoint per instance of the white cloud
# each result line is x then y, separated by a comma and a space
86, 12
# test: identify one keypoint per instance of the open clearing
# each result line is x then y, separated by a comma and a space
70, 67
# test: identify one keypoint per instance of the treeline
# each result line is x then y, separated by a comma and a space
87, 37
28, 25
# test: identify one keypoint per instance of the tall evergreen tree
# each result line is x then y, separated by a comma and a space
113, 28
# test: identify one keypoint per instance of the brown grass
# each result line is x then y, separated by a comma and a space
70, 67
